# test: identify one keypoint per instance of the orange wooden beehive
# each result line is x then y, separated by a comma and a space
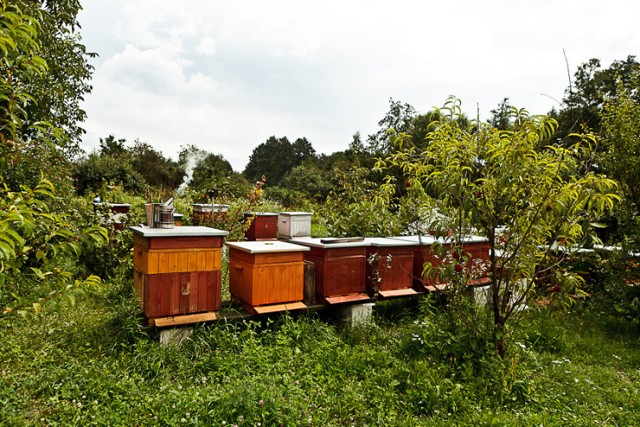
267, 273
390, 267
177, 270
340, 268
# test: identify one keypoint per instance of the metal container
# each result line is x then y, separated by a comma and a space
163, 216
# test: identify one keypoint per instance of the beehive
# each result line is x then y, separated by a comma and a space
266, 273
390, 267
177, 270
294, 224
340, 268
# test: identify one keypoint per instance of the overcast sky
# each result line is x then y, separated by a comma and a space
226, 75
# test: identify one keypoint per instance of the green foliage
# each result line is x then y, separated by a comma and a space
621, 158
35, 244
276, 157
90, 174
96, 366
496, 183
592, 87
356, 207
60, 91
308, 180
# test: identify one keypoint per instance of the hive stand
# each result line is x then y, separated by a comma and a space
354, 315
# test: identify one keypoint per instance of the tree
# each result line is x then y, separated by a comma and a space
398, 120
110, 146
35, 241
620, 122
157, 170
585, 98
61, 90
94, 171
501, 116
526, 202
276, 157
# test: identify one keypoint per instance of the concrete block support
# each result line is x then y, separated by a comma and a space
356, 314
172, 336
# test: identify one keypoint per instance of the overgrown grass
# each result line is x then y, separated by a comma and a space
94, 365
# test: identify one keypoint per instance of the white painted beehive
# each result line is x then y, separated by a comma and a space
294, 224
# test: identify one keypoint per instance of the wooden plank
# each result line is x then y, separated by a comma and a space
192, 261
172, 263
187, 319
183, 262
194, 280
269, 308
309, 283
203, 290
295, 305
333, 240
153, 262
210, 261
139, 283
398, 293
201, 261
163, 262
187, 283
482, 281
184, 242
274, 308
438, 287
346, 298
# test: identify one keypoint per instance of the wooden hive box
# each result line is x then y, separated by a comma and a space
263, 226
340, 268
477, 247
294, 224
390, 267
207, 213
177, 270
267, 273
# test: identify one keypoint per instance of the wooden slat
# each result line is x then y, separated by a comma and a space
295, 305
274, 308
346, 298
213, 290
398, 293
183, 262
192, 261
184, 242
187, 319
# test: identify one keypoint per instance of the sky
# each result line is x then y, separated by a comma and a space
226, 75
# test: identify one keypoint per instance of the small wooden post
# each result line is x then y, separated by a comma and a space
309, 283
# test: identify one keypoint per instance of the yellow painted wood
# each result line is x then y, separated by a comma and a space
183, 262
153, 263
177, 261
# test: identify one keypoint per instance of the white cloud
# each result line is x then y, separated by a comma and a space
206, 46
227, 75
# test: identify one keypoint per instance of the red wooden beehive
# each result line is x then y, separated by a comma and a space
390, 267
177, 270
476, 247
340, 268
263, 226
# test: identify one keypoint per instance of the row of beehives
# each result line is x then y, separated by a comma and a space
178, 271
